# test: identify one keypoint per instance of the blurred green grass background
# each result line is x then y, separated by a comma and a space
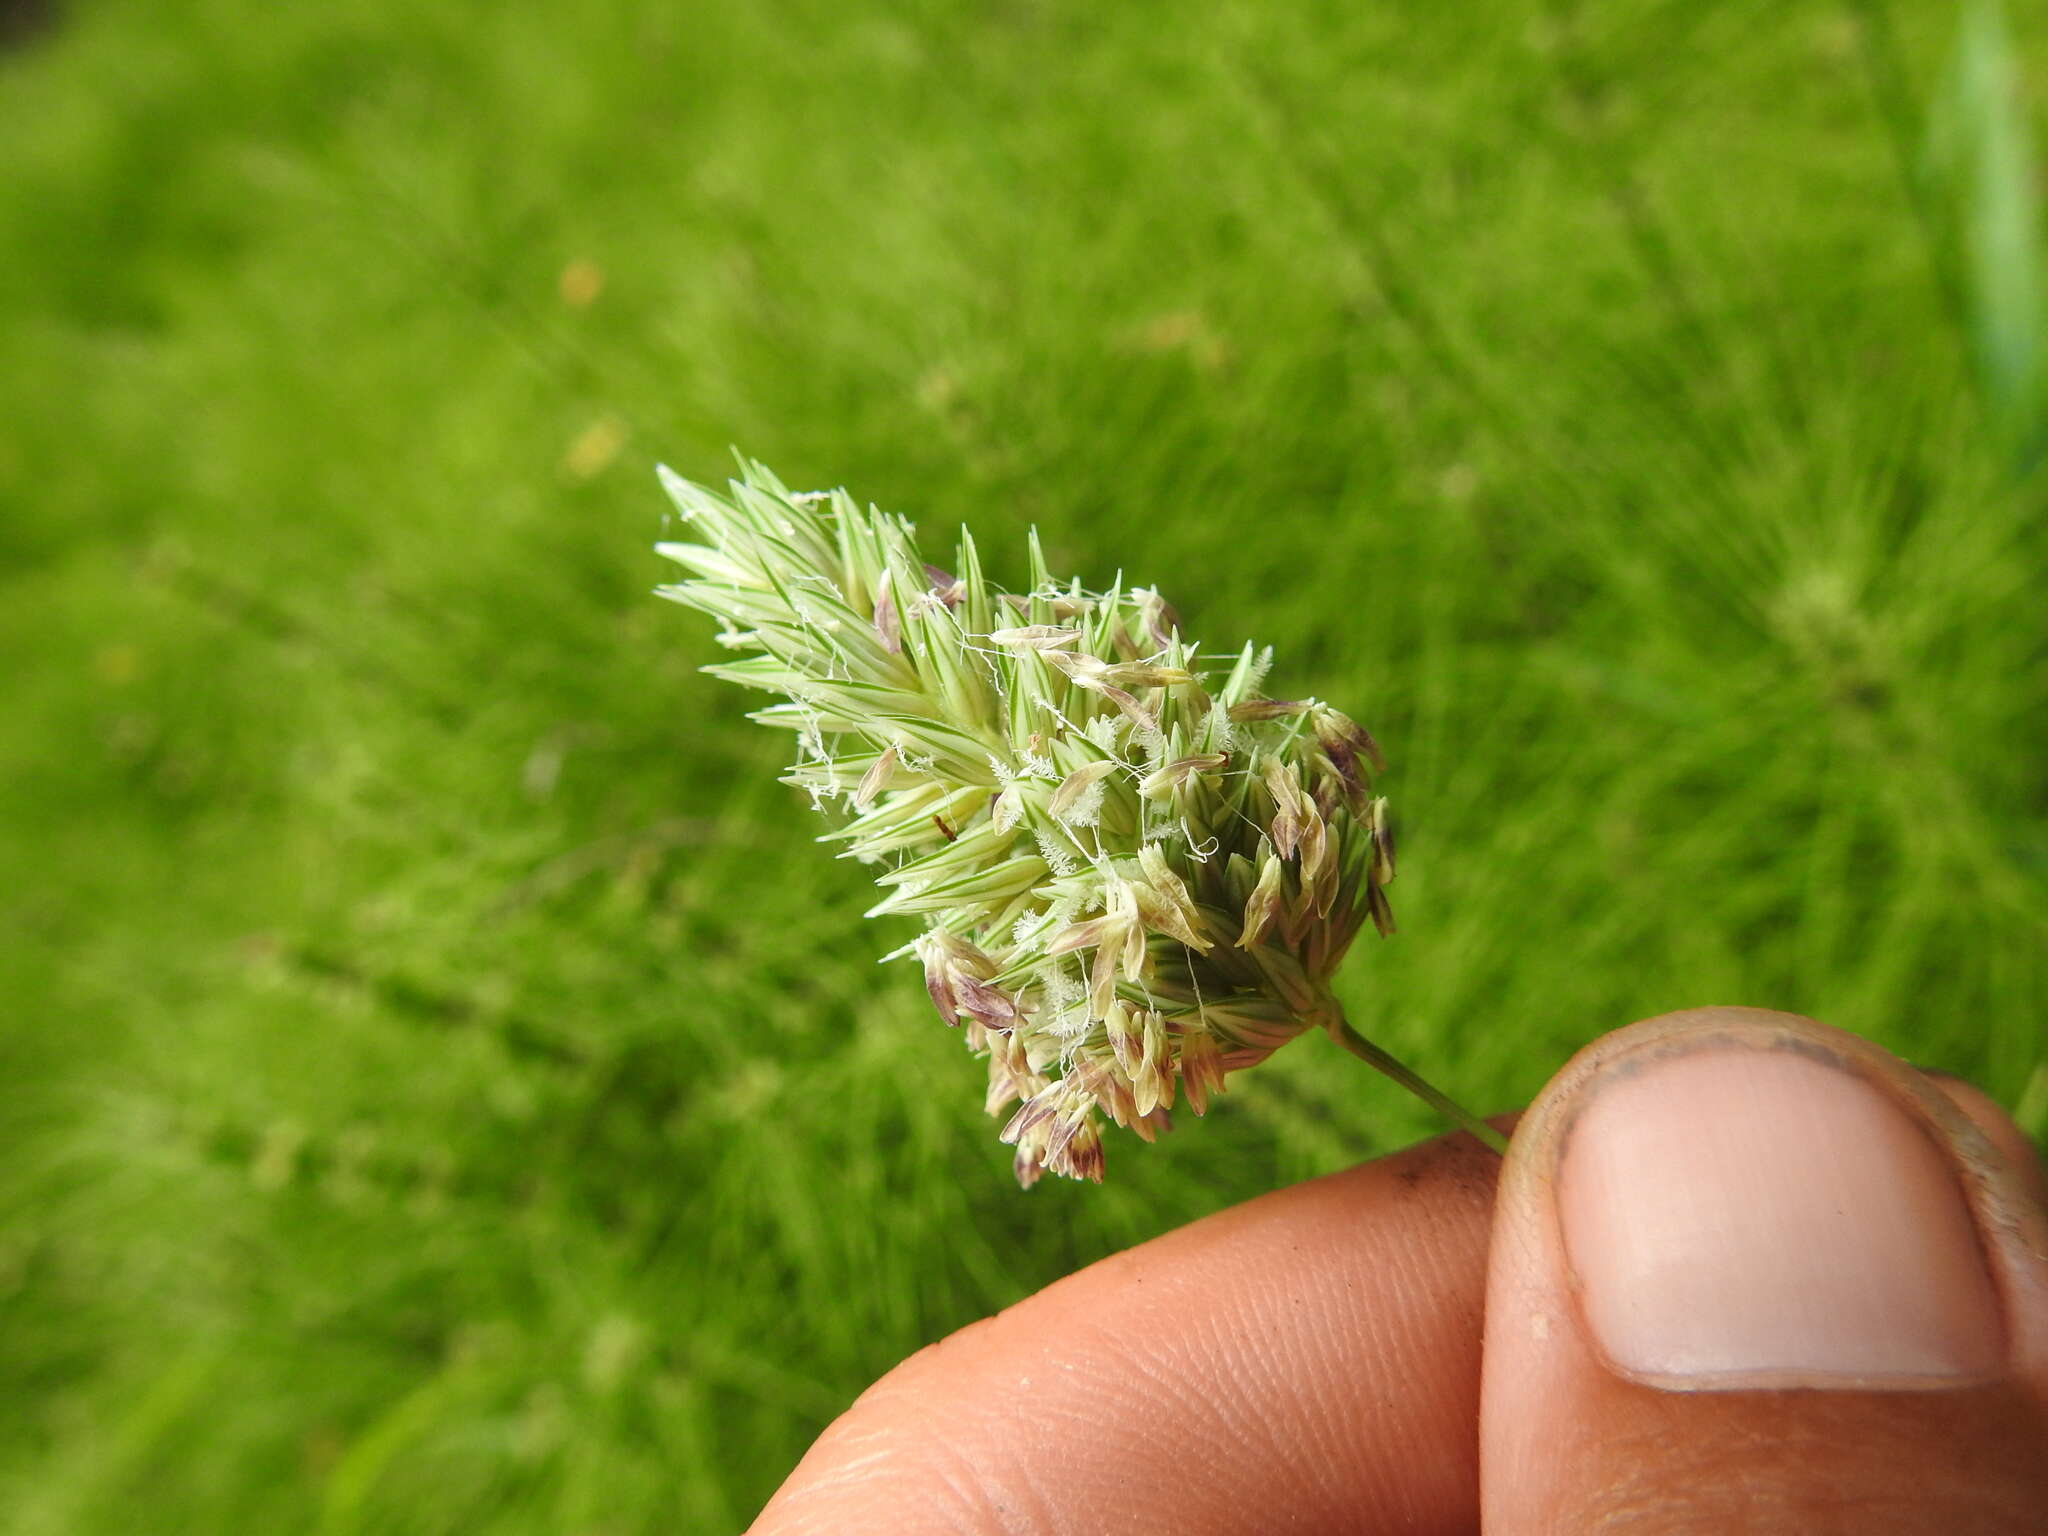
442, 1089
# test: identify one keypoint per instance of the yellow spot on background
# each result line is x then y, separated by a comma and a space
117, 664
594, 448
580, 283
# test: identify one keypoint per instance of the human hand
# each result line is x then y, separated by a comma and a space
1738, 1272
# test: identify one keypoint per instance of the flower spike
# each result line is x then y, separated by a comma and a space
1131, 885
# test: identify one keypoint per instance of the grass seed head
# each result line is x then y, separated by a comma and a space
1136, 873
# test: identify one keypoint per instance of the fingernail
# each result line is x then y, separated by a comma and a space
1760, 1215
2022, 1162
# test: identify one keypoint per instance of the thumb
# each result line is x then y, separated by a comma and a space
1751, 1273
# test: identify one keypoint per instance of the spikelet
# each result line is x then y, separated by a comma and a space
1136, 873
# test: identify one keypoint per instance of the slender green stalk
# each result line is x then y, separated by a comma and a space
1352, 1041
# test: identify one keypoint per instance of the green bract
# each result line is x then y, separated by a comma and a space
1137, 872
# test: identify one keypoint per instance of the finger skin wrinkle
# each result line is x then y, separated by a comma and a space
1810, 1462
892, 1463
1307, 1362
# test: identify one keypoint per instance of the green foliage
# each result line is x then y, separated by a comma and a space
1982, 168
444, 1088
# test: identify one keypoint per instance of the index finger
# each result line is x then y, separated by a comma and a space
1307, 1361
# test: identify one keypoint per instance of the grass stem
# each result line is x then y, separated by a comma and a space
1442, 1103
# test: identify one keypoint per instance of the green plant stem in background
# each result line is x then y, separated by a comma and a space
1979, 163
